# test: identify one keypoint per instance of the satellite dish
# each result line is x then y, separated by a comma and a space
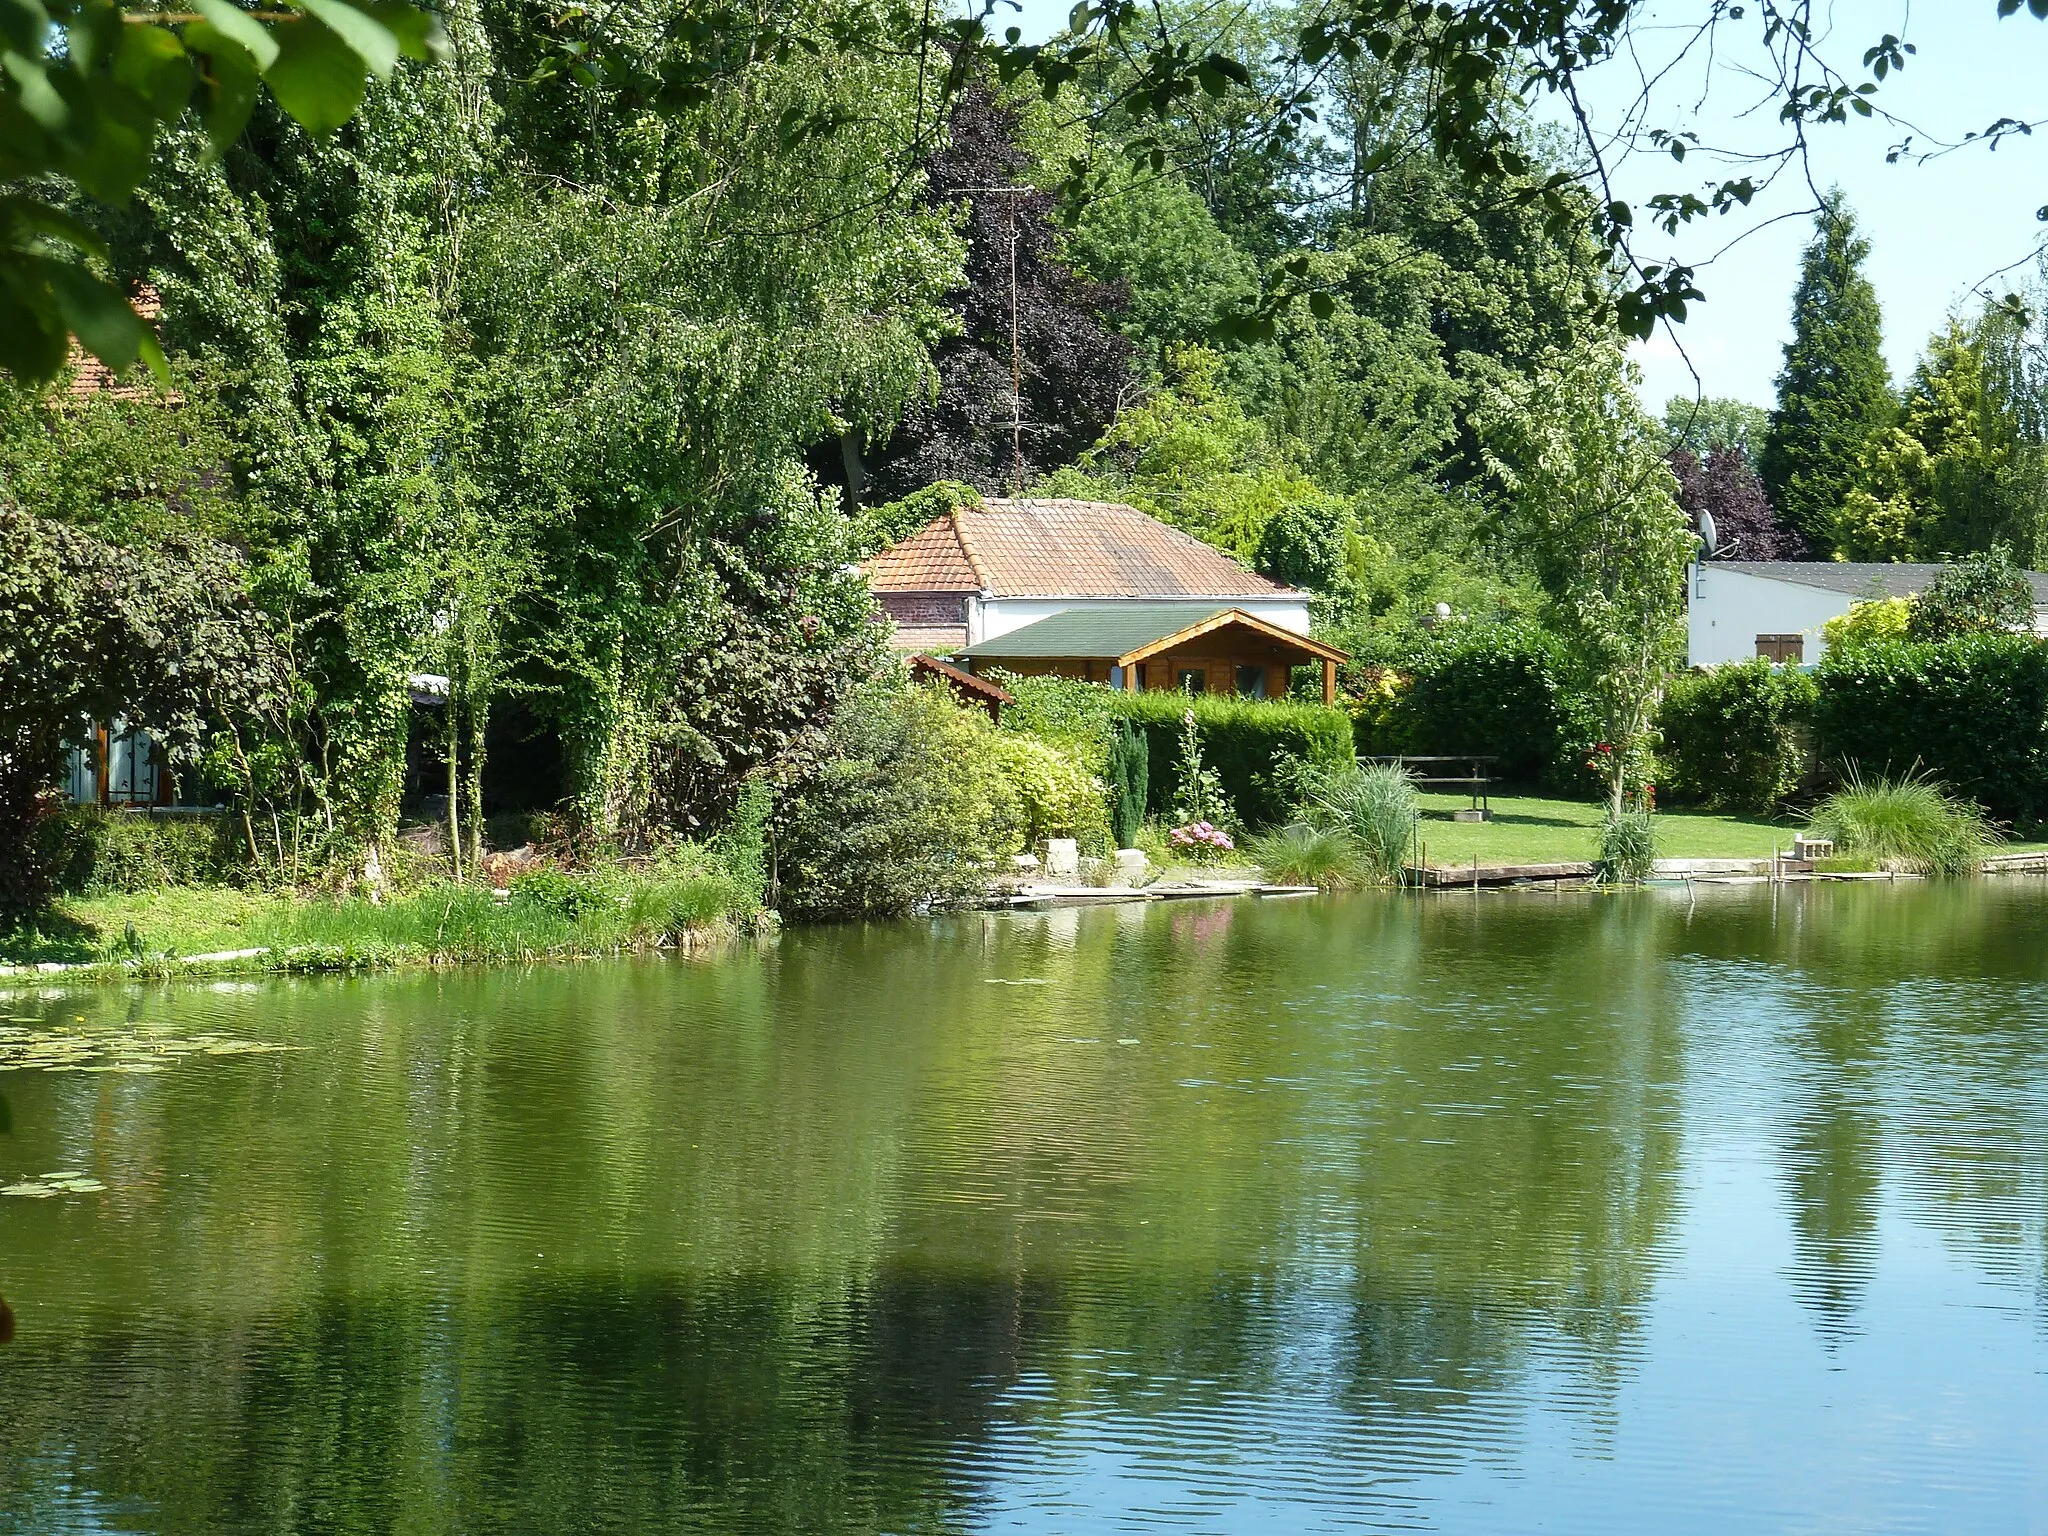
1709, 539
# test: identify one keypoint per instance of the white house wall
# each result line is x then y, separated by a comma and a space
988, 617
1726, 610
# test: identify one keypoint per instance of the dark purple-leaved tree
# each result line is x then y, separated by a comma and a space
1746, 527
1074, 367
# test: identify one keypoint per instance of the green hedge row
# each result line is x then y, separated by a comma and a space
86, 850
1495, 689
1970, 711
1736, 738
1244, 740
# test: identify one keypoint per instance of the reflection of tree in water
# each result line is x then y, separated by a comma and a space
1371, 1154
750, 1405
1830, 1155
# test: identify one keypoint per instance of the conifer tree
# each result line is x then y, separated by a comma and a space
1834, 393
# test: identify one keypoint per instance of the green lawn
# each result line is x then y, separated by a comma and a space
1527, 829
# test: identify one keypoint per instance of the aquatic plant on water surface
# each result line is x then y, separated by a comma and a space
1911, 824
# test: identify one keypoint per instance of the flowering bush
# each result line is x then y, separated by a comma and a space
1200, 838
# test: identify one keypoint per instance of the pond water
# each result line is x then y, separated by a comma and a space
1501, 1213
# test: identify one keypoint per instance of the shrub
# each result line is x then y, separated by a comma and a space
1060, 709
1129, 771
1487, 689
1248, 743
1907, 823
1979, 594
1374, 806
87, 850
1055, 794
1971, 712
1303, 854
908, 807
1628, 848
1878, 618
1733, 736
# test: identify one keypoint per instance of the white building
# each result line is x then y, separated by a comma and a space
1737, 609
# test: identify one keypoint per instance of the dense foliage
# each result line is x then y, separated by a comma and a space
1834, 394
1971, 712
909, 807
1736, 738
1984, 594
162, 640
1495, 689
1248, 743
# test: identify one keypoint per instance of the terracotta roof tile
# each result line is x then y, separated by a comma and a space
90, 376
1051, 548
930, 560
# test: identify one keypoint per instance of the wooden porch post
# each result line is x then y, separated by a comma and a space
1329, 681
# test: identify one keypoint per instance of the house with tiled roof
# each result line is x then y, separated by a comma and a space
1094, 590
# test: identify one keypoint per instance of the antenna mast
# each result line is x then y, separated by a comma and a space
1016, 365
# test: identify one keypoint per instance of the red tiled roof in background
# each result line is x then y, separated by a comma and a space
1048, 548
930, 560
90, 376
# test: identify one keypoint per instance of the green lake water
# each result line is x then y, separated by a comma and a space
1500, 1213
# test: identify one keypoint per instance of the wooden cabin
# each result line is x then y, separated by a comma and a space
1094, 590
1172, 647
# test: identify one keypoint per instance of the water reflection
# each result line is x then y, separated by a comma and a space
1324, 1215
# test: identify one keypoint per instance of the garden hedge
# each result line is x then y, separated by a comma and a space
1244, 740
1734, 738
1495, 689
1970, 711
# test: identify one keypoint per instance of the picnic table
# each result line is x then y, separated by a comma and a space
1438, 774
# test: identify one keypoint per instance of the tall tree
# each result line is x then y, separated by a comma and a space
1035, 372
1723, 487
1834, 393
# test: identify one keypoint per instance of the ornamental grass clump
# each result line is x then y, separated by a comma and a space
1374, 805
1628, 849
1303, 854
1911, 824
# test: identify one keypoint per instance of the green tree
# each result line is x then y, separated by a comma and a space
1700, 426
1834, 393
1598, 508
1981, 594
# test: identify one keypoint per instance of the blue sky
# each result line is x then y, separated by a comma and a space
1936, 229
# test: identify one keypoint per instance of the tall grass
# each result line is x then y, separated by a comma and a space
1301, 854
1374, 805
1628, 848
548, 913
1910, 823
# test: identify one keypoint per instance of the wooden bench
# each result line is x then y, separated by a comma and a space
1474, 780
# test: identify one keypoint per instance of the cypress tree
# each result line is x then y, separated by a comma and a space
1834, 393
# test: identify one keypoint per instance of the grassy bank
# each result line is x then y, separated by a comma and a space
548, 915
1529, 829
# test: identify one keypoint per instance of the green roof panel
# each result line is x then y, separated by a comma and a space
1094, 631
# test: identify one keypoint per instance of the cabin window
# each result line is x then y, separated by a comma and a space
1781, 648
1191, 680
1251, 682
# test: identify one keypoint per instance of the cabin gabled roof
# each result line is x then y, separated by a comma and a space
1127, 633
1056, 548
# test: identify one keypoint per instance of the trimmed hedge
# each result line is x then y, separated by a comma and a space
1246, 741
1495, 689
87, 850
1970, 711
1733, 737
